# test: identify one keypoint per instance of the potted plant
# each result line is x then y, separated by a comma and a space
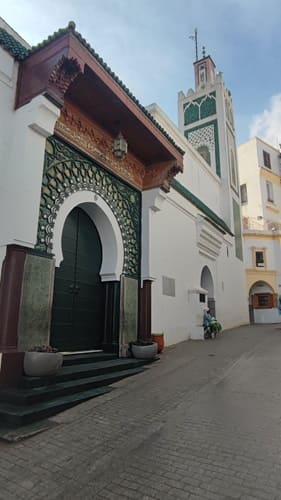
42, 361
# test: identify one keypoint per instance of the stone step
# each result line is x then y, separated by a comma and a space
84, 370
15, 416
40, 397
34, 395
87, 357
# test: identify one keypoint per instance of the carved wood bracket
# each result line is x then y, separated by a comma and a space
90, 138
172, 172
62, 75
161, 175
97, 143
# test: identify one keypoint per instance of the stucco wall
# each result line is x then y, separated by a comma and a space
249, 174
175, 254
197, 175
267, 315
22, 146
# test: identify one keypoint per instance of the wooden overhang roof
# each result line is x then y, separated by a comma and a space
65, 67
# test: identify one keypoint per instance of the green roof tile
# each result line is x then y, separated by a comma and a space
213, 218
9, 43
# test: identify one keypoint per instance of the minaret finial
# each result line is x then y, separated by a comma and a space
203, 51
194, 37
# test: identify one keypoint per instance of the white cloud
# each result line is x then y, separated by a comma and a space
267, 124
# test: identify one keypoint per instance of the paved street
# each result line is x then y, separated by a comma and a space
204, 422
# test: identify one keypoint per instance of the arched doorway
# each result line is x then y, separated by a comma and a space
263, 304
78, 303
208, 284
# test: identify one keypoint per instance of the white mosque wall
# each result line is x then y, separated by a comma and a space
175, 255
197, 175
23, 135
182, 243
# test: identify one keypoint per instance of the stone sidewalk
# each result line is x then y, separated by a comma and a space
204, 422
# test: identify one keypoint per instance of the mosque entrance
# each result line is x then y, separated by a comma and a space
78, 313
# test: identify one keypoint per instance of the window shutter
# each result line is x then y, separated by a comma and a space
255, 301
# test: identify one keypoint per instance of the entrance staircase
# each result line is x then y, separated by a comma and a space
82, 376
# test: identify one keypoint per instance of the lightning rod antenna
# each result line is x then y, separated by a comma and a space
194, 37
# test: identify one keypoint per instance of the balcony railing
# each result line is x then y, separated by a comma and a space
258, 224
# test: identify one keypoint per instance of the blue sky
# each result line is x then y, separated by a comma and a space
146, 42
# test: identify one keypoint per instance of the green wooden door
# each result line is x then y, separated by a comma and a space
78, 304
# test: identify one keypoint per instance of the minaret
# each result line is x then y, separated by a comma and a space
206, 119
204, 71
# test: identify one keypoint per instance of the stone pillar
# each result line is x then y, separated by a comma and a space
25, 307
128, 313
36, 302
112, 316
11, 361
145, 311
10, 296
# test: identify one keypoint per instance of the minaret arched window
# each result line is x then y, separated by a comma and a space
205, 153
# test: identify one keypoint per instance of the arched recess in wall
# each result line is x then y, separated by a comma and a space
107, 226
205, 153
207, 282
264, 303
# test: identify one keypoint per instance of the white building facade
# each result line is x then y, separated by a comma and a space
259, 167
101, 245
195, 230
71, 200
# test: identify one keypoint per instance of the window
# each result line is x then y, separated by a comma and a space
202, 297
266, 159
202, 72
205, 153
243, 193
263, 301
269, 191
233, 170
259, 258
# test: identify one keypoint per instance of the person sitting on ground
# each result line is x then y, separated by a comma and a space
211, 324
207, 318
206, 324
215, 326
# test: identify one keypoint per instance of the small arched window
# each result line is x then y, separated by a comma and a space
205, 153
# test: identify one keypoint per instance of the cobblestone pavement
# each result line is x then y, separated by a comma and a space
204, 422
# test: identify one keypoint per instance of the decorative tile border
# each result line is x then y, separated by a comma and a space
67, 171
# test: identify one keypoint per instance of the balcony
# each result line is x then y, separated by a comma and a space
259, 224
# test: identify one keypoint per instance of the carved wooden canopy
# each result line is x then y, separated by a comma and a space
94, 106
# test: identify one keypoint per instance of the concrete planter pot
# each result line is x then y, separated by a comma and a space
40, 364
144, 351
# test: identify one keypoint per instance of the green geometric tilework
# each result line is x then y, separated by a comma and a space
191, 114
206, 135
200, 108
67, 171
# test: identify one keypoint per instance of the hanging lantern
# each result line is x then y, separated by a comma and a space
120, 146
